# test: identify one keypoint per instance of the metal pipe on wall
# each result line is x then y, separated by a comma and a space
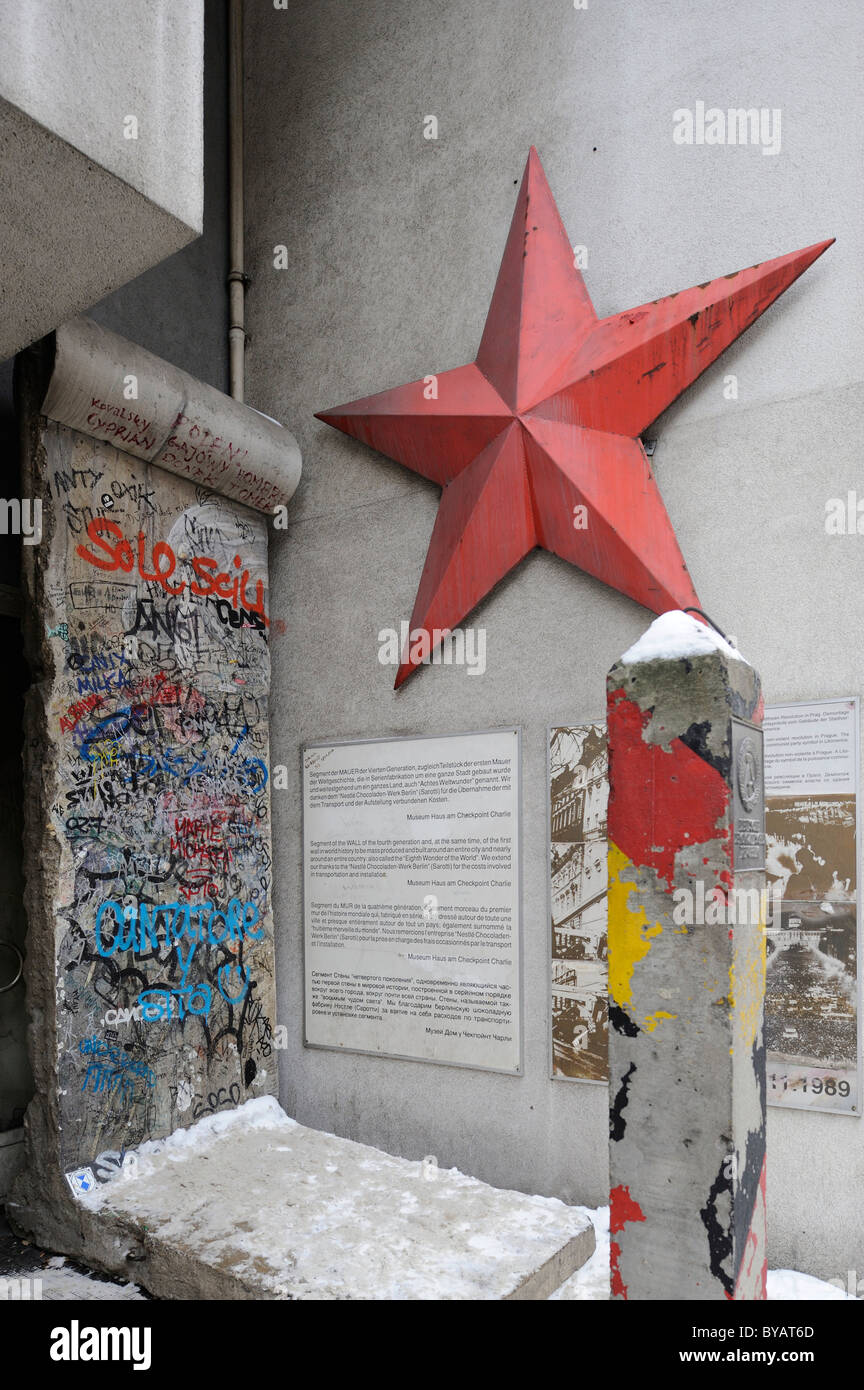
237, 278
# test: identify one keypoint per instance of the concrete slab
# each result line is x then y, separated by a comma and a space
251, 1205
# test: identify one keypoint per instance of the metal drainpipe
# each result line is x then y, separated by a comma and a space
237, 278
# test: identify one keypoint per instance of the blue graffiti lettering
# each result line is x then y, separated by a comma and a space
139, 929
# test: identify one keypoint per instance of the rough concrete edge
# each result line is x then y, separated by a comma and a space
41, 1182
40, 1204
121, 1245
557, 1269
11, 1159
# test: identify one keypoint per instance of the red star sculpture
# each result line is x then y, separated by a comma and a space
536, 442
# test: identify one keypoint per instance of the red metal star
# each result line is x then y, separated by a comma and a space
546, 421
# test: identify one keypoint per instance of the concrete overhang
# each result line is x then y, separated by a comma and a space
101, 151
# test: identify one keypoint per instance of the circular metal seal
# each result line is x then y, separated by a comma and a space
749, 773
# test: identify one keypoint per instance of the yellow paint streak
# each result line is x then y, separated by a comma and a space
747, 978
630, 935
653, 1019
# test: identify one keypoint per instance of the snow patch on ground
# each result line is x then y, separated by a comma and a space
787, 1284
592, 1280
62, 1285
676, 634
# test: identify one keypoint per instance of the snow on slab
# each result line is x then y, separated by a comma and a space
677, 634
292, 1212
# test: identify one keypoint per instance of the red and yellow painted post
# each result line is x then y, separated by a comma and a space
686, 968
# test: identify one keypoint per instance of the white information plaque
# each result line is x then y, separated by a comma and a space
412, 898
811, 748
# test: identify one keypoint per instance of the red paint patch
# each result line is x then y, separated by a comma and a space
617, 1287
687, 796
622, 1208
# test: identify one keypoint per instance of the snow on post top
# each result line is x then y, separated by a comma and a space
677, 634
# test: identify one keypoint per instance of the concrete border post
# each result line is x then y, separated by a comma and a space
687, 909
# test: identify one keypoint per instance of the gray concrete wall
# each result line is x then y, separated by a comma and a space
394, 245
179, 309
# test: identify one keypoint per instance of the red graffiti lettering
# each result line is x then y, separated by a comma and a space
208, 579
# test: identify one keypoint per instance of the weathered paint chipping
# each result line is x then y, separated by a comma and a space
687, 1087
628, 928
685, 793
622, 1209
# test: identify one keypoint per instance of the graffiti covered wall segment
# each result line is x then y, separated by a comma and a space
154, 604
